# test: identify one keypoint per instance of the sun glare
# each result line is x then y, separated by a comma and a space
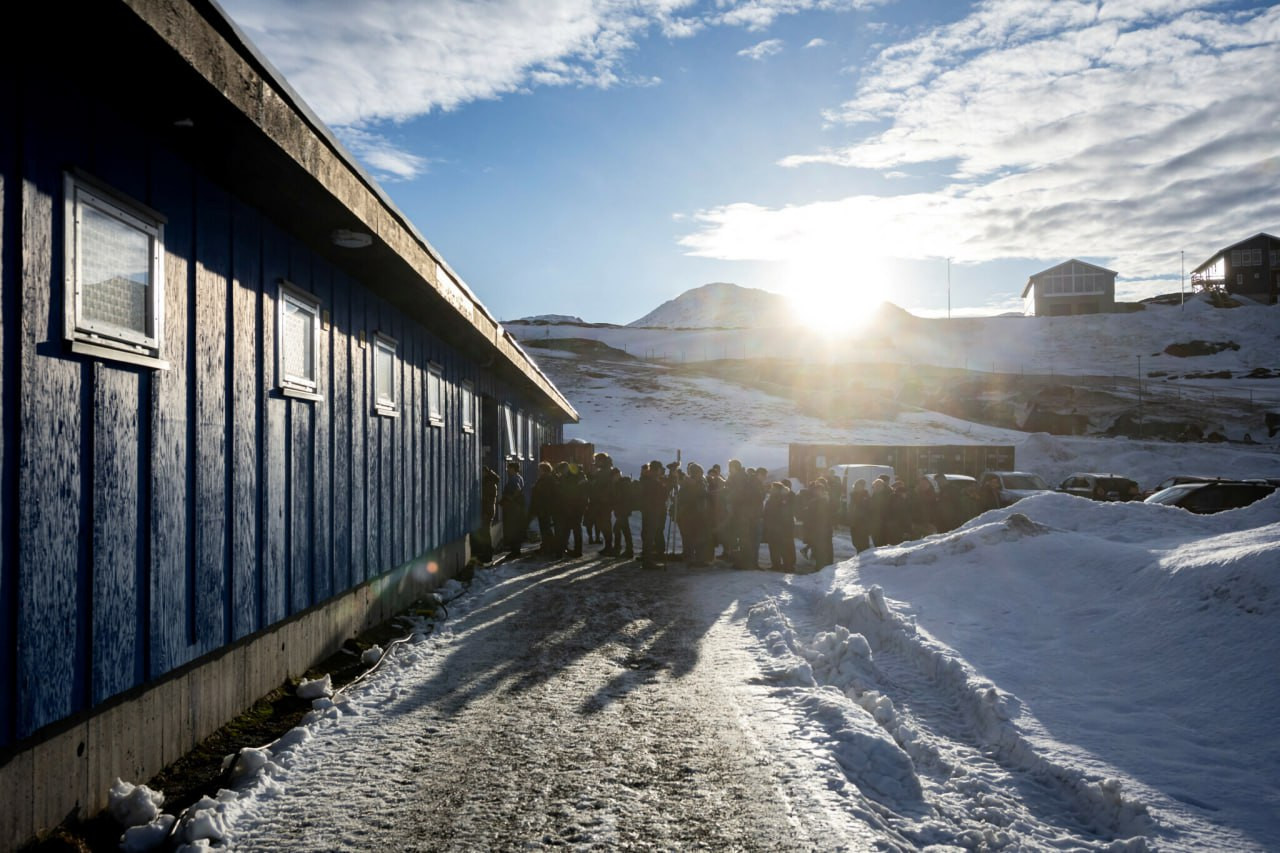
837, 298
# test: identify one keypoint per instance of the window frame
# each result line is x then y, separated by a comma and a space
95, 337
468, 406
435, 394
385, 406
288, 385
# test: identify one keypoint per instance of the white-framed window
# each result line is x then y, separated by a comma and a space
297, 342
508, 423
114, 274
468, 405
386, 400
435, 394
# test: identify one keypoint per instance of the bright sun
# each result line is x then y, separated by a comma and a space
835, 298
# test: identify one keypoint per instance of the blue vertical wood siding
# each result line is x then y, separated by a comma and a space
10, 306
152, 516
245, 319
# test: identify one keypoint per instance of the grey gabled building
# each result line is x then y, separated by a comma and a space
1071, 287
245, 404
1249, 268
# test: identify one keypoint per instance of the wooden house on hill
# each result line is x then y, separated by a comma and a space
1071, 287
1250, 268
245, 403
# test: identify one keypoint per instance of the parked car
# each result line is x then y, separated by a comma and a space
1177, 480
1101, 487
1213, 495
1016, 485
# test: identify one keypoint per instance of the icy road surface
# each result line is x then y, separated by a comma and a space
594, 705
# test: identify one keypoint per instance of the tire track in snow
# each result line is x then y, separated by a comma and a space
966, 774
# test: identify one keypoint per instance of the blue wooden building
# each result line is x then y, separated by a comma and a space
245, 404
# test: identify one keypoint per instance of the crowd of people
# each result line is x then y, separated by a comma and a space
717, 515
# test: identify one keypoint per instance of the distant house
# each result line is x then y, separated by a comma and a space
245, 404
1249, 268
1072, 287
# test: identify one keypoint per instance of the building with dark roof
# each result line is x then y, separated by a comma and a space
245, 404
1250, 268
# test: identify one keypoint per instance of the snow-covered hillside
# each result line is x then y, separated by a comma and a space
719, 305
716, 394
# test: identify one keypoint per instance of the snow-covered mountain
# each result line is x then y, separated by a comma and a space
719, 305
548, 319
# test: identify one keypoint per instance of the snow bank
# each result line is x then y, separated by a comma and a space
1082, 644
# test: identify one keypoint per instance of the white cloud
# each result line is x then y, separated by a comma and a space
816, 42
383, 61
386, 160
1127, 131
758, 15
762, 50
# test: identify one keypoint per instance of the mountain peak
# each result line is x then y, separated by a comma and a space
719, 304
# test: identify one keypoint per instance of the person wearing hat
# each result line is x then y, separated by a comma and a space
543, 500
568, 523
654, 491
600, 504
779, 528
514, 519
482, 541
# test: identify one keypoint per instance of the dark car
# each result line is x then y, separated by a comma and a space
1177, 480
1213, 495
1101, 487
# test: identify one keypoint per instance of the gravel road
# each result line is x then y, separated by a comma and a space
583, 705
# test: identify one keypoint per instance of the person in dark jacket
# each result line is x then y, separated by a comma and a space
654, 491
989, 495
879, 510
719, 512
693, 515
514, 519
543, 500
779, 528
600, 505
490, 484
923, 501
624, 501
897, 514
821, 524
969, 504
573, 498
859, 513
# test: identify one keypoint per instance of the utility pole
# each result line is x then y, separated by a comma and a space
1139, 396
1182, 282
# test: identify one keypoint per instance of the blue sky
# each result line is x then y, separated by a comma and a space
598, 158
